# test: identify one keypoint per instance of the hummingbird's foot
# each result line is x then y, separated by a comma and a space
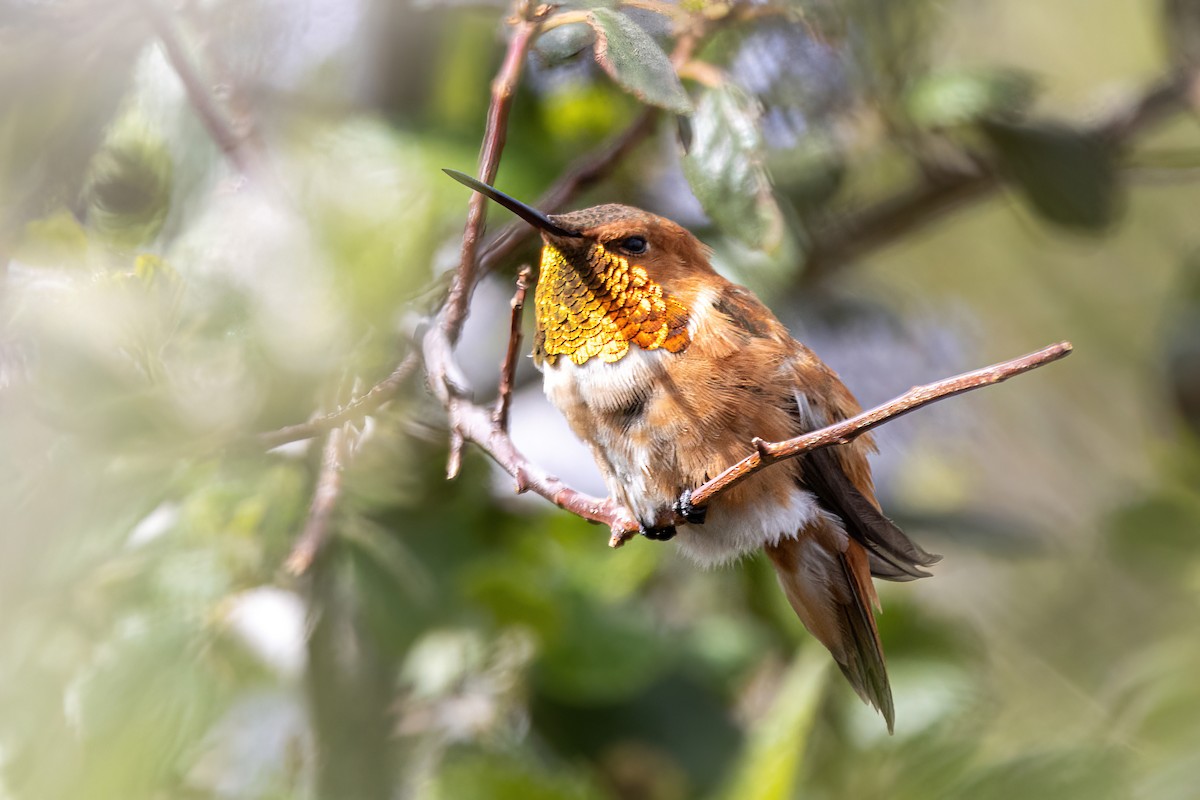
658, 534
684, 508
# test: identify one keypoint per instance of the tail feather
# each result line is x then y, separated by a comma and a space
826, 576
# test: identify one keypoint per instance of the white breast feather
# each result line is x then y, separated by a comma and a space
727, 535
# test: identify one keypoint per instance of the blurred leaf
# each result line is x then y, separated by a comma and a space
49, 124
506, 778
601, 655
514, 596
891, 41
949, 99
578, 114
770, 767
725, 168
564, 42
636, 62
811, 174
142, 706
1156, 537
56, 240
128, 188
1069, 176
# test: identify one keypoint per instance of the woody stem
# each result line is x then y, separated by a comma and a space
845, 431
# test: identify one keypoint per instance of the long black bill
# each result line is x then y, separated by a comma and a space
531, 215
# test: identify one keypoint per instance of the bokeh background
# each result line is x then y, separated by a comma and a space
159, 307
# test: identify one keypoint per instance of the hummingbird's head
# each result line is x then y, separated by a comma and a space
603, 276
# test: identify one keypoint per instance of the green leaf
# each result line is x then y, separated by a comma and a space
1067, 175
635, 61
725, 168
564, 42
769, 768
949, 99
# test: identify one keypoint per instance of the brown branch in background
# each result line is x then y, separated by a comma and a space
496, 131
768, 453
941, 191
199, 95
317, 527
886, 220
355, 410
1158, 101
508, 368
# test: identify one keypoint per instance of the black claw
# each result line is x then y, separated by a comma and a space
684, 508
658, 534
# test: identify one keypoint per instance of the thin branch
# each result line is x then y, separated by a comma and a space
846, 431
581, 175
199, 95
476, 424
495, 133
843, 432
315, 536
353, 411
508, 368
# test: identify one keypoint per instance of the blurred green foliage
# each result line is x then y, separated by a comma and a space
157, 310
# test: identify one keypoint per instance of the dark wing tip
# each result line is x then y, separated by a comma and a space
893, 555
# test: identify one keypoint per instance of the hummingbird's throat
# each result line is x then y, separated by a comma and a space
598, 309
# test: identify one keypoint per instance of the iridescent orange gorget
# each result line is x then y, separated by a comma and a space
598, 314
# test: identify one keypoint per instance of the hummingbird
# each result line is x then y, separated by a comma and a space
667, 371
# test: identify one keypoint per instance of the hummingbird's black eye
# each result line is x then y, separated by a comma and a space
634, 245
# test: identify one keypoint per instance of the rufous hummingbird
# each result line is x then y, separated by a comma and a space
668, 371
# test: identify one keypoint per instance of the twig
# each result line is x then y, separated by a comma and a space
528, 20
213, 119
509, 367
495, 133
356, 409
843, 432
584, 172
581, 175
768, 453
476, 424
315, 536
